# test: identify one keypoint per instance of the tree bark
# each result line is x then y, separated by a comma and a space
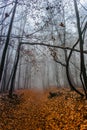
14, 72
81, 43
7, 42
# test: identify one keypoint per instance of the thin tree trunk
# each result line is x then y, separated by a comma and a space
4, 78
82, 63
19, 74
7, 42
14, 72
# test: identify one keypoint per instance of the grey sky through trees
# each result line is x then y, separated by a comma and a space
42, 21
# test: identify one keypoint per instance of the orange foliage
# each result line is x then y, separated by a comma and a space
33, 110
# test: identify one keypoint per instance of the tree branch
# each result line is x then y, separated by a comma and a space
48, 45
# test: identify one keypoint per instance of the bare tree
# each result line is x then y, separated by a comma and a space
7, 41
81, 43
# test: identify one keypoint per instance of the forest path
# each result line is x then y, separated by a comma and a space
33, 110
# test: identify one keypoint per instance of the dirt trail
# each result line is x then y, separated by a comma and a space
33, 110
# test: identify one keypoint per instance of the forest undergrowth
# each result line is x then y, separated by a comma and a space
35, 110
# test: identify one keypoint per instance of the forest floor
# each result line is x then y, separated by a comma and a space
34, 110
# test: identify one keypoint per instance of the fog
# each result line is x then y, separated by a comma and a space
51, 23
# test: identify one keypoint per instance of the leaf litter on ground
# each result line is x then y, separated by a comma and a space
34, 110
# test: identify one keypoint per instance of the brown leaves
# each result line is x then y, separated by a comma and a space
36, 112
62, 24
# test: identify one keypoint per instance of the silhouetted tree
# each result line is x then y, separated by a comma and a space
7, 41
81, 43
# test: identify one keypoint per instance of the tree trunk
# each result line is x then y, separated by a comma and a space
14, 72
82, 63
7, 42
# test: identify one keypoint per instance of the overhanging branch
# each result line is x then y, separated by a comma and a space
48, 45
